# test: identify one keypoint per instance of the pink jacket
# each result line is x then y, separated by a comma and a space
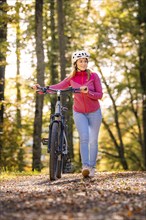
83, 102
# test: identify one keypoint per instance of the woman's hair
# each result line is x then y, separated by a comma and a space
73, 73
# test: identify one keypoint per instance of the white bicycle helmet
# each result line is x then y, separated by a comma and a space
79, 54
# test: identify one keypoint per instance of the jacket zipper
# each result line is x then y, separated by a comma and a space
83, 95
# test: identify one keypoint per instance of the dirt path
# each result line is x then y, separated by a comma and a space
107, 196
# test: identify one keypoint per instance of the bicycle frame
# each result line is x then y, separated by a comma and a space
57, 144
59, 118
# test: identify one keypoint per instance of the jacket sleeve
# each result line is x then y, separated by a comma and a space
97, 93
62, 85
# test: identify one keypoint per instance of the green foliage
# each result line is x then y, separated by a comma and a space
12, 141
111, 34
115, 49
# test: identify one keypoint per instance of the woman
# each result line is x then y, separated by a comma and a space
86, 109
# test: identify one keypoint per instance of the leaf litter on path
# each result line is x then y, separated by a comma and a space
109, 195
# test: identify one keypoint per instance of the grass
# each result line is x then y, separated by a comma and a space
7, 175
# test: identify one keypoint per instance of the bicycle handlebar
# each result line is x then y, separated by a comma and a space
46, 90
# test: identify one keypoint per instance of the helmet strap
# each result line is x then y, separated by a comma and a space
76, 68
79, 69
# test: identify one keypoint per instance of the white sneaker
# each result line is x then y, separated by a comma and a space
85, 171
92, 172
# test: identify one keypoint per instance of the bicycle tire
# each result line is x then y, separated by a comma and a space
54, 151
59, 167
60, 158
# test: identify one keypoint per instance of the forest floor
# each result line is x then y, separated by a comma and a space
107, 196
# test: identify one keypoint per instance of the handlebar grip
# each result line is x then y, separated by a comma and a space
41, 89
44, 89
76, 90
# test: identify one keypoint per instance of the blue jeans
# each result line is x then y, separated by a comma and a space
88, 125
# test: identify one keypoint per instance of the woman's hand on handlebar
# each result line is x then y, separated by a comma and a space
84, 89
39, 89
36, 86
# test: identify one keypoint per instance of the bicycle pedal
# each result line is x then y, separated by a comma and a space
45, 141
68, 167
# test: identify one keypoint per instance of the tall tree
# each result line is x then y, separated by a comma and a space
40, 79
3, 49
142, 65
52, 50
61, 37
20, 156
18, 52
116, 49
62, 52
118, 142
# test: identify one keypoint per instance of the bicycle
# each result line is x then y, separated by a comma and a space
57, 138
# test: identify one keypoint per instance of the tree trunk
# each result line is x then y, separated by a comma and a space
3, 36
18, 36
53, 53
120, 145
40, 80
61, 37
142, 66
62, 48
20, 155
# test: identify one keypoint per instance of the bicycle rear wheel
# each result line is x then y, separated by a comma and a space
54, 147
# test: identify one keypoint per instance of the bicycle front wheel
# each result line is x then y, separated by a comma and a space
59, 166
54, 150
60, 158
